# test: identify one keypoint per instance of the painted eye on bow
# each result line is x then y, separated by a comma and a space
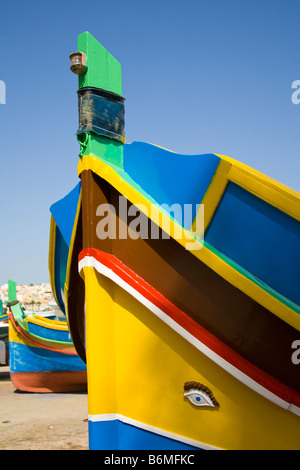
199, 394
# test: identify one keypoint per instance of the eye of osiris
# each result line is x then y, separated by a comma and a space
199, 398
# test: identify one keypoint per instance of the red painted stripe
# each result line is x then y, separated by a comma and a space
29, 338
146, 290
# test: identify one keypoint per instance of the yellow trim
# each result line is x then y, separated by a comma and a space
38, 341
277, 194
51, 258
105, 171
215, 192
261, 186
260, 176
267, 190
222, 268
48, 323
70, 255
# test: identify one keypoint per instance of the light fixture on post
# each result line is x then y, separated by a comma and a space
78, 62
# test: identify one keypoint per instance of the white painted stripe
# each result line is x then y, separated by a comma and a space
294, 409
90, 261
147, 427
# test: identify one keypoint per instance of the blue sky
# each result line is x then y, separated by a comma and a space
198, 76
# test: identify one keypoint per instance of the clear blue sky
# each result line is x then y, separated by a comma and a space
198, 76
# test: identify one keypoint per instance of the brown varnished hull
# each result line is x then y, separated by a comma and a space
234, 318
50, 381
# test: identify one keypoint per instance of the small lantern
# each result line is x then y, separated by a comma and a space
78, 62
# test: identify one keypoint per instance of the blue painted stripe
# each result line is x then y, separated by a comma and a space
115, 435
170, 178
49, 333
64, 212
23, 358
60, 268
260, 238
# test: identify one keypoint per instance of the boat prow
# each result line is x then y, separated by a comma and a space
181, 288
42, 357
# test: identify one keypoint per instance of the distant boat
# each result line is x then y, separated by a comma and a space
53, 312
191, 333
42, 357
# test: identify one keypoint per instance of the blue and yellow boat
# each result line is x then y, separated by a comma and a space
42, 357
181, 287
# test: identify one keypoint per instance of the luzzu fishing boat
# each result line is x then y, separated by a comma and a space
42, 357
181, 287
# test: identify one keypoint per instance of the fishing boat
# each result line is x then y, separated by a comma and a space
181, 286
42, 357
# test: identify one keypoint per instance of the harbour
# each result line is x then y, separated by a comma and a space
150, 262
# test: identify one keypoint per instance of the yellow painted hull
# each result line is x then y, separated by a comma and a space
137, 367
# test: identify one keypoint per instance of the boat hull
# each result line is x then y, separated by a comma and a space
38, 366
139, 366
50, 381
151, 316
187, 319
